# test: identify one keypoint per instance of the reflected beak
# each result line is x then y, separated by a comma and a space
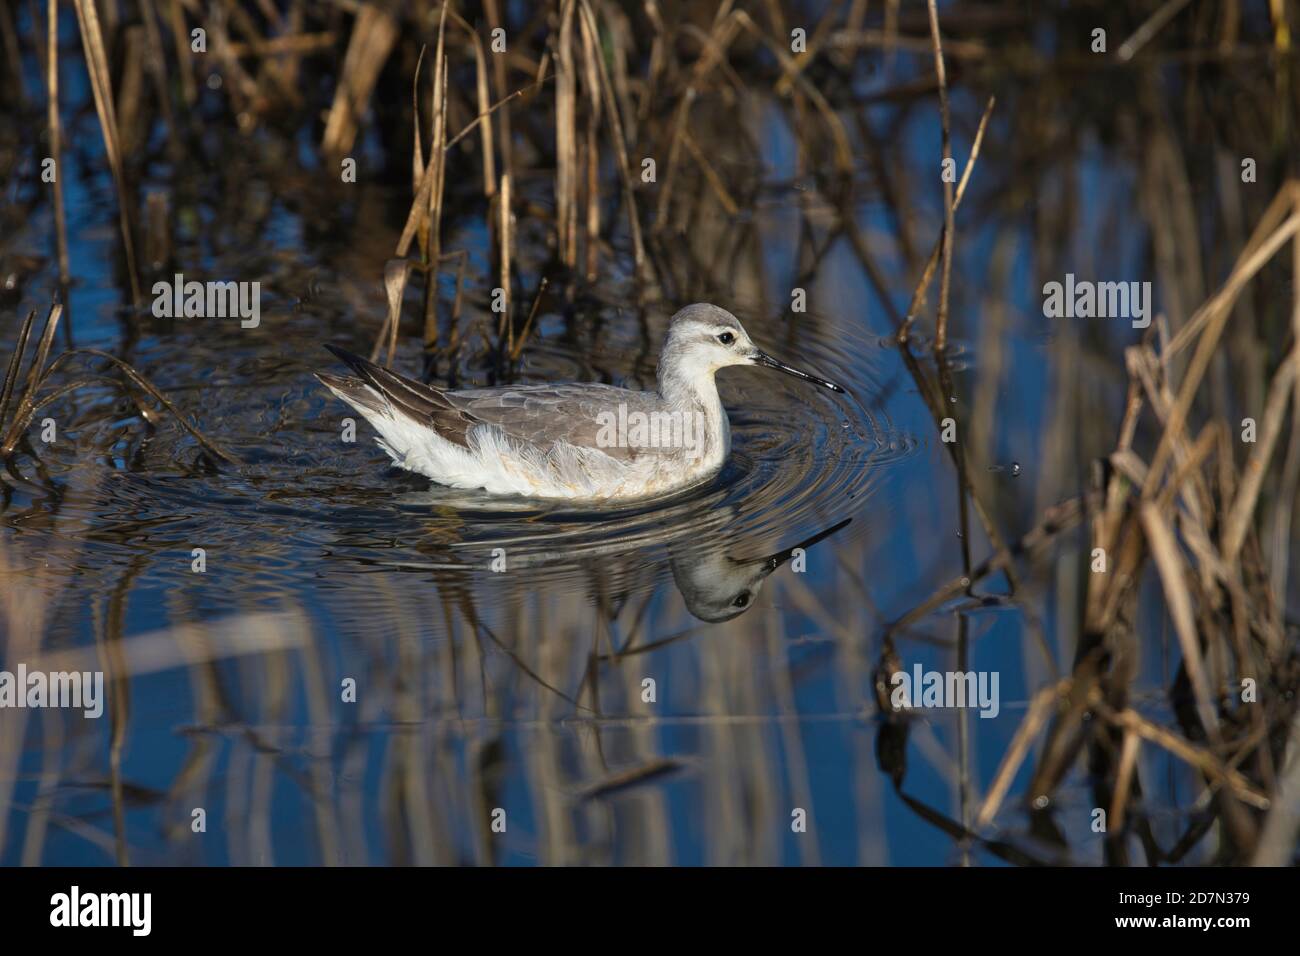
762, 358
781, 557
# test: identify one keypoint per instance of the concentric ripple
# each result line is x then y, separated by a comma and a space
307, 509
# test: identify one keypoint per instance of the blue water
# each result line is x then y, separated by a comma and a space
473, 688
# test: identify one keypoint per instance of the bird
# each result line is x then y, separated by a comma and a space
580, 441
716, 586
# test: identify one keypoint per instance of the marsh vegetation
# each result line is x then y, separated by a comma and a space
482, 193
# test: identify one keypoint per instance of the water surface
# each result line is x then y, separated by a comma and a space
355, 678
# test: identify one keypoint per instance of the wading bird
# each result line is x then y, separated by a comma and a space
576, 440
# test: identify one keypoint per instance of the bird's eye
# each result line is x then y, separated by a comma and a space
741, 599
726, 338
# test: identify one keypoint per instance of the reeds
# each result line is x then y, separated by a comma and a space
1224, 608
541, 146
101, 85
369, 44
41, 371
949, 202
56, 135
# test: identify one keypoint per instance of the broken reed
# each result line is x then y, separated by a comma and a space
41, 371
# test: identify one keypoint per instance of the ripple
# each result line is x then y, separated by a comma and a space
801, 459
307, 507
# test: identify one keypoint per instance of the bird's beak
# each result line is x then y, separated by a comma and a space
781, 557
762, 358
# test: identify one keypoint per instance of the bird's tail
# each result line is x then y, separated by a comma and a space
378, 393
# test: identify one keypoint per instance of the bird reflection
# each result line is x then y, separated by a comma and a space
718, 587
704, 547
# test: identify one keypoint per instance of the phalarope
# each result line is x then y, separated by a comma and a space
576, 440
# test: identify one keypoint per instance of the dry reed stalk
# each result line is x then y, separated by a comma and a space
1128, 526
23, 616
710, 174
101, 84
927, 274
566, 144
1153, 25
499, 80
290, 46
15, 364
11, 439
499, 106
1277, 840
1216, 313
843, 154
396, 273
591, 152
419, 168
35, 375
657, 65
9, 41
1190, 753
181, 40
453, 342
815, 42
1283, 508
108, 628
616, 130
1240, 514
949, 206
157, 68
722, 33
1124, 780
1146, 368
433, 225
620, 43
1055, 521
373, 35
130, 91
854, 20
505, 233
1252, 256
419, 211
243, 90
56, 137
1169, 563
484, 107
518, 348
1034, 720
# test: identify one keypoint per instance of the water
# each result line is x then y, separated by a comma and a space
371, 670
490, 640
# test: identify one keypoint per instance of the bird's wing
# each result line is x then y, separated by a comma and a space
544, 415
425, 404
539, 415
